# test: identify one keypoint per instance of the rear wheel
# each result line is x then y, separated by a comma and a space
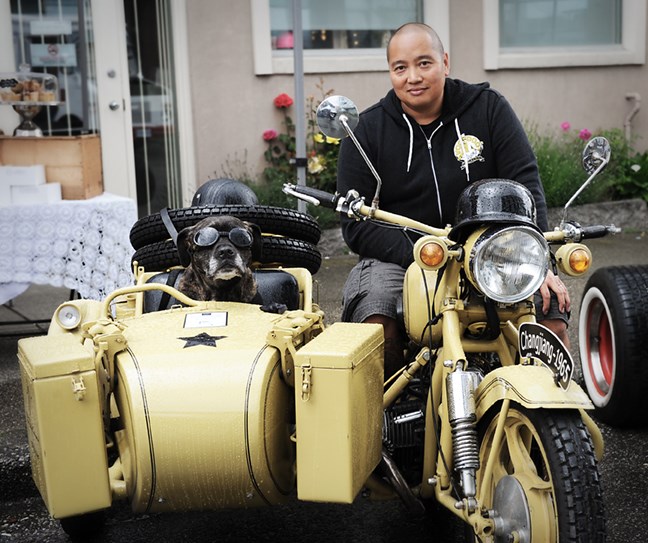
545, 484
613, 332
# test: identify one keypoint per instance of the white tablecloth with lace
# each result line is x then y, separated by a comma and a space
78, 244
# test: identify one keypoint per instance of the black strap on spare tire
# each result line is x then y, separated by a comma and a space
171, 279
168, 224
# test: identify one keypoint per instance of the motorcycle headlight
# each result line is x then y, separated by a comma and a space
508, 264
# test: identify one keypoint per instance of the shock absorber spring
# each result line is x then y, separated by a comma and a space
461, 386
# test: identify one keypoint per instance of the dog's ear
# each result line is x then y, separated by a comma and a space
183, 244
257, 241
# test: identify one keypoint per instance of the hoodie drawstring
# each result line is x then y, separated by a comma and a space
463, 149
411, 142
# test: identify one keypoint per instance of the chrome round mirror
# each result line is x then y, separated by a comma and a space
596, 151
332, 115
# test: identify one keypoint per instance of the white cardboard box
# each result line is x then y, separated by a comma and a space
35, 194
22, 175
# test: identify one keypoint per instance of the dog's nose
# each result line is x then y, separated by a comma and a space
226, 251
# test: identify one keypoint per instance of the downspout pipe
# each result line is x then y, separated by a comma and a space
627, 124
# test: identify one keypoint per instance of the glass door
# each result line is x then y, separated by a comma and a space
153, 104
55, 36
114, 63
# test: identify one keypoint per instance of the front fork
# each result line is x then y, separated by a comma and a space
460, 391
456, 386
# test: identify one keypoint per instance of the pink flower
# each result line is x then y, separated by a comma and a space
283, 101
565, 126
270, 135
584, 134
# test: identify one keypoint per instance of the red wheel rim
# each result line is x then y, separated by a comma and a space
606, 348
600, 344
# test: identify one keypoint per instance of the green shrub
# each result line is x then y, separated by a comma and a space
559, 158
559, 155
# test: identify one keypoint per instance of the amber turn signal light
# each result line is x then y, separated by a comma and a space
430, 253
574, 259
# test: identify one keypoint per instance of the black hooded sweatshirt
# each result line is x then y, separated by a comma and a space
425, 168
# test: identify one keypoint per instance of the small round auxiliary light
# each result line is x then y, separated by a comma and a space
574, 259
430, 253
68, 316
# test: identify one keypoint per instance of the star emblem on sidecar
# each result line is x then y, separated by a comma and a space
201, 339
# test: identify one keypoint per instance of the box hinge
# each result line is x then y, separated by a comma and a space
306, 371
288, 335
78, 388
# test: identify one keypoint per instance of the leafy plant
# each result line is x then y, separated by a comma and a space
559, 162
321, 155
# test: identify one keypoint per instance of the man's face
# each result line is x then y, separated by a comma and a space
417, 71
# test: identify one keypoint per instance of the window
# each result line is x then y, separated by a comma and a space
549, 33
338, 35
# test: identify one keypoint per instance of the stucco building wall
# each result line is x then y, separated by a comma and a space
232, 106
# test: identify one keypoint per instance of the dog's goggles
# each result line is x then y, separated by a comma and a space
206, 237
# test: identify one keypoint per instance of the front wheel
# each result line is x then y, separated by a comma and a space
545, 485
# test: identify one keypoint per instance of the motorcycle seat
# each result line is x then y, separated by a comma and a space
273, 287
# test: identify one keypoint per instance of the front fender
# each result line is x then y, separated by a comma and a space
530, 386
533, 387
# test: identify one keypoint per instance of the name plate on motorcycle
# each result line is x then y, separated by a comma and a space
539, 342
208, 319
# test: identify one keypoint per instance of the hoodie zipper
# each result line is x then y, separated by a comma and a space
434, 175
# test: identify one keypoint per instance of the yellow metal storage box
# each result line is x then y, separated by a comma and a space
64, 424
338, 397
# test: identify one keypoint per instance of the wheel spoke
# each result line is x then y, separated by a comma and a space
519, 443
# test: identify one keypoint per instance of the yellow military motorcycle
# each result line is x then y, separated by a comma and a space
188, 405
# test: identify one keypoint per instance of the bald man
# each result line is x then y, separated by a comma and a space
428, 138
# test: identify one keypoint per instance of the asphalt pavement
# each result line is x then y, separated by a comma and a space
23, 517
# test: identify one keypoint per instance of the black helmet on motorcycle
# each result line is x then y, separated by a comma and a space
493, 201
224, 191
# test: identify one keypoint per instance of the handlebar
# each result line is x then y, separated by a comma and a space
575, 232
312, 196
598, 231
352, 205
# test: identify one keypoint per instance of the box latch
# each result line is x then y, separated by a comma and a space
78, 388
306, 382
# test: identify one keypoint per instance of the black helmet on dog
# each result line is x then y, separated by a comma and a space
224, 191
493, 201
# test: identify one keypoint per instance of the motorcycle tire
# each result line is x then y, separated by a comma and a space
545, 482
613, 334
277, 251
84, 527
271, 220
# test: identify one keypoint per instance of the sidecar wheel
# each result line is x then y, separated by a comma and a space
276, 251
613, 332
545, 482
272, 220
83, 527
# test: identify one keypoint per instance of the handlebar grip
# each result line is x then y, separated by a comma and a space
325, 199
598, 231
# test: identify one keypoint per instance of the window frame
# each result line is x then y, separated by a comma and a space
267, 62
632, 50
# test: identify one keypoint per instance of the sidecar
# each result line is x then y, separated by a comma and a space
200, 405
